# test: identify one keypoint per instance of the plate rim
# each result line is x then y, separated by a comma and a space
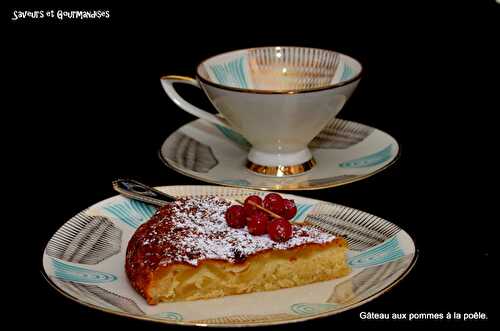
298, 319
277, 187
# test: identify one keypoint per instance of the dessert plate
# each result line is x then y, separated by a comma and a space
85, 258
345, 152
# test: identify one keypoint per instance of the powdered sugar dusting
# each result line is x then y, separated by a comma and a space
191, 230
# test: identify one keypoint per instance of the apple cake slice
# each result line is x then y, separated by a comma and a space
187, 251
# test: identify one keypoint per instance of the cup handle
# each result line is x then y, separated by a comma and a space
168, 85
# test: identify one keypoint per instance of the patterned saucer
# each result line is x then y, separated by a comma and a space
345, 152
85, 258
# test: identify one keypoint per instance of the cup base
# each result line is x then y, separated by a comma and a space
281, 171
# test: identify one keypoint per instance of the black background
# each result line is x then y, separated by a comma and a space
86, 106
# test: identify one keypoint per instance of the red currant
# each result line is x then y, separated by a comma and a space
257, 223
290, 209
255, 199
235, 216
249, 208
274, 202
280, 230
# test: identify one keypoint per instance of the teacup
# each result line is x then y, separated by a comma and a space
278, 98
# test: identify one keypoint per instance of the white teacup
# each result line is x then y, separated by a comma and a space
278, 98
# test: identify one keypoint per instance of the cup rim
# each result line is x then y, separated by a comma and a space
290, 92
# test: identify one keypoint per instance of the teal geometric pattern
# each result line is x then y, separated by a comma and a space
388, 251
302, 208
76, 274
234, 136
238, 182
131, 212
369, 160
169, 315
305, 309
347, 74
231, 73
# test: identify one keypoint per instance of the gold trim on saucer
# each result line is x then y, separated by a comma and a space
281, 171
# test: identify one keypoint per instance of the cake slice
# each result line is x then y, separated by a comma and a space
186, 251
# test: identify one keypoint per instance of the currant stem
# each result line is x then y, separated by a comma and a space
261, 208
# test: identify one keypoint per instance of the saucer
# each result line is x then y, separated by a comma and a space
84, 261
345, 152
